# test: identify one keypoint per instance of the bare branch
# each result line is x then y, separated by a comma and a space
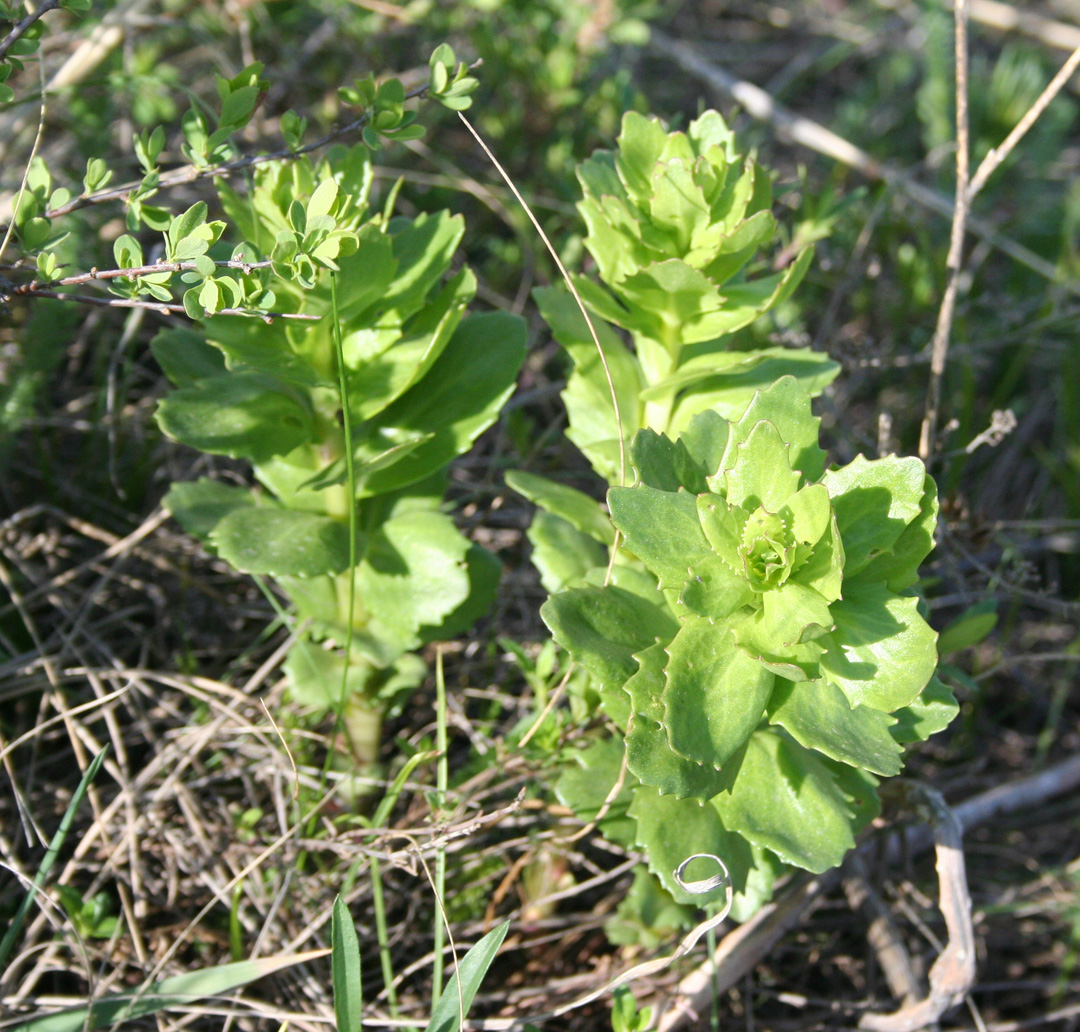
150, 270
997, 155
939, 348
808, 133
20, 30
160, 307
192, 174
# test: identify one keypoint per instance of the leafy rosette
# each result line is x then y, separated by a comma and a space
776, 667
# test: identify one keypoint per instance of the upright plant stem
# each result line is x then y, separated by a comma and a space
441, 781
379, 905
954, 263
350, 477
350, 474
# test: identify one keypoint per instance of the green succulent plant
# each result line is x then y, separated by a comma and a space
758, 644
677, 223
421, 379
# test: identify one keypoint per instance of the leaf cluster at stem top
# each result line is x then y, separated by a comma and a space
757, 642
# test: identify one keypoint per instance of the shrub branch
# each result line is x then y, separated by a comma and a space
21, 28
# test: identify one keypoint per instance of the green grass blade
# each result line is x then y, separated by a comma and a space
391, 797
345, 964
453, 1006
442, 780
178, 991
382, 934
7, 944
350, 478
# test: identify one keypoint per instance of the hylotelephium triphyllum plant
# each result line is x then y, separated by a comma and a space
349, 419
756, 643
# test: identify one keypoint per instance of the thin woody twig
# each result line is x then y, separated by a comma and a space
939, 348
157, 306
95, 274
146, 270
191, 173
997, 155
21, 28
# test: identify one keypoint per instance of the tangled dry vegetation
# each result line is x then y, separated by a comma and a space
211, 834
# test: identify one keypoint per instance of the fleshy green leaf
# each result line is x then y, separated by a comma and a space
764, 637
561, 552
874, 502
424, 249
587, 396
817, 715
715, 693
730, 391
649, 754
648, 916
662, 529
484, 572
185, 356
587, 779
603, 628
385, 374
765, 869
761, 474
787, 801
202, 505
315, 677
899, 567
574, 506
670, 830
706, 439
241, 414
931, 712
714, 589
793, 615
282, 542
823, 569
882, 653
787, 407
665, 464
809, 514
460, 397
413, 575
